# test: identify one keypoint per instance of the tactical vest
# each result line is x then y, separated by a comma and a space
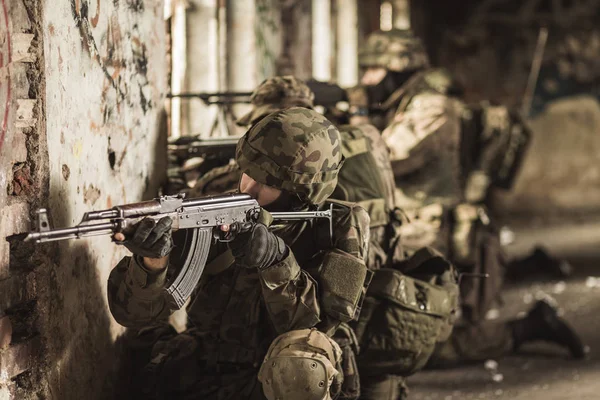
227, 312
366, 179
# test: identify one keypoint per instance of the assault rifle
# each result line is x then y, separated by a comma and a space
223, 101
216, 97
187, 147
199, 219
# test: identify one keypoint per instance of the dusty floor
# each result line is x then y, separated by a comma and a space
538, 372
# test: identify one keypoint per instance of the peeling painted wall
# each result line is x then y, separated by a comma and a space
105, 81
82, 85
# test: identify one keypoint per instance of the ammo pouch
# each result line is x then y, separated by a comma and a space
342, 285
406, 314
347, 341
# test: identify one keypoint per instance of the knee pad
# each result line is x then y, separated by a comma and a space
301, 365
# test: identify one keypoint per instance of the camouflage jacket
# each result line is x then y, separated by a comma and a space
237, 312
424, 136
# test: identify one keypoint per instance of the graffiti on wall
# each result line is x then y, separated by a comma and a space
112, 39
5, 55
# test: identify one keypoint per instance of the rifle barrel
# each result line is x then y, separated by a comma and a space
221, 97
74, 232
300, 215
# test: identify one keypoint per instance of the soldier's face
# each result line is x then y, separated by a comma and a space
373, 75
264, 194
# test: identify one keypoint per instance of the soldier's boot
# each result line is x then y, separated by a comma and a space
543, 323
540, 262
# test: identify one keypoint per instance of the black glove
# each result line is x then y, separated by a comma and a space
256, 247
150, 239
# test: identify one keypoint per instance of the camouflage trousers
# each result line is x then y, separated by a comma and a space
473, 343
474, 338
383, 387
178, 369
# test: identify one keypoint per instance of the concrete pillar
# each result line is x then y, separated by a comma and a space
347, 43
241, 50
401, 14
321, 40
268, 37
386, 18
241, 45
296, 32
222, 39
202, 73
178, 67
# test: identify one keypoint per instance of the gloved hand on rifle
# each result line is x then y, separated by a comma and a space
255, 247
150, 238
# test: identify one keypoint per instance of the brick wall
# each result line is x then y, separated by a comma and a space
21, 181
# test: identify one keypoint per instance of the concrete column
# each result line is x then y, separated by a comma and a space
347, 43
386, 17
296, 32
202, 74
241, 45
268, 37
222, 33
241, 49
321, 40
401, 14
178, 67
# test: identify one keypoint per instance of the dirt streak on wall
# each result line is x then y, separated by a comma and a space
87, 79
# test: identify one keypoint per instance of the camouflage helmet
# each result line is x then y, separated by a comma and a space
301, 365
275, 94
297, 150
396, 50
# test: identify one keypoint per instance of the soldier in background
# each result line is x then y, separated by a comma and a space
443, 195
274, 94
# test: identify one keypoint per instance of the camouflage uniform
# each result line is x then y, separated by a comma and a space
366, 178
442, 182
235, 313
396, 337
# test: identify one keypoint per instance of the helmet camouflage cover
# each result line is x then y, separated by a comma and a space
301, 365
396, 50
276, 93
297, 150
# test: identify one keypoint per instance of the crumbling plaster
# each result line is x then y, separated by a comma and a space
94, 131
